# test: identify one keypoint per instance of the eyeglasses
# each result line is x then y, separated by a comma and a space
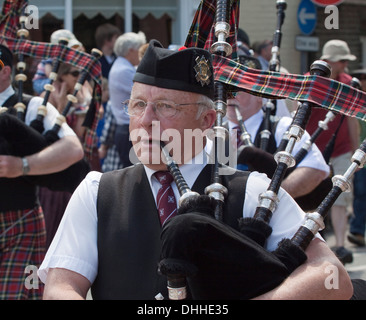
75, 73
162, 108
233, 105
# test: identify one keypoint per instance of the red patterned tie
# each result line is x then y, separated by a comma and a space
238, 134
165, 199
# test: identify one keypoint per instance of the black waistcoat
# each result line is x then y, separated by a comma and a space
271, 148
129, 231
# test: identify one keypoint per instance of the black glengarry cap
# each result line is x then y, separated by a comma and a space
6, 56
188, 69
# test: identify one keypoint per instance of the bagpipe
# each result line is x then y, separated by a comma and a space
20, 77
312, 200
259, 160
20, 140
37, 123
204, 258
274, 64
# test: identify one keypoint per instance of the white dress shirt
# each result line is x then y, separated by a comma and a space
314, 159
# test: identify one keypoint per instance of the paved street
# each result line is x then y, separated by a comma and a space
356, 269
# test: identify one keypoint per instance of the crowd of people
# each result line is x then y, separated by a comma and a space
105, 235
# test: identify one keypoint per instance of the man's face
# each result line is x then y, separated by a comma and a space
363, 84
150, 128
5, 77
267, 52
338, 67
248, 105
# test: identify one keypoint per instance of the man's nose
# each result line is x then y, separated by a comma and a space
149, 115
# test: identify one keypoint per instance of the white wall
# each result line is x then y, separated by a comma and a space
259, 19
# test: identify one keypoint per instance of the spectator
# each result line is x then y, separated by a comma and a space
337, 54
44, 67
107, 150
105, 37
263, 51
126, 48
358, 220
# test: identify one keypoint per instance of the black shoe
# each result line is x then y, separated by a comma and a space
344, 255
356, 239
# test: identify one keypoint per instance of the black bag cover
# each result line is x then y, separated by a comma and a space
264, 162
257, 160
219, 261
19, 140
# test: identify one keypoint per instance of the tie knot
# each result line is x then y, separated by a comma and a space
237, 128
164, 177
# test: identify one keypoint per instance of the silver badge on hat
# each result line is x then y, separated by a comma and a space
203, 72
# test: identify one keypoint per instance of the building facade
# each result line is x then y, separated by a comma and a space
166, 20
169, 22
259, 19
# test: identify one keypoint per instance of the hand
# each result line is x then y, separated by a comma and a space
59, 96
102, 151
10, 166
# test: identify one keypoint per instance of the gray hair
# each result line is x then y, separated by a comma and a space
205, 104
127, 41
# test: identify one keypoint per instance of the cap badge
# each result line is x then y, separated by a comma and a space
250, 64
203, 72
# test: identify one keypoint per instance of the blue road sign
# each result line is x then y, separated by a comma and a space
306, 17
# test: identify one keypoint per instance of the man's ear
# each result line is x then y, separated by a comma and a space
208, 119
7, 71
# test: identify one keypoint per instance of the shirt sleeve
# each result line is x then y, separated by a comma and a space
49, 119
286, 219
74, 246
314, 158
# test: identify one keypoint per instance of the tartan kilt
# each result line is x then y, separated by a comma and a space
22, 249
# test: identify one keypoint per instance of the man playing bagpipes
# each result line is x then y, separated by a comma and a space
22, 226
109, 238
310, 172
36, 148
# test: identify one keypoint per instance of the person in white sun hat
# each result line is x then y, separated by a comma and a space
337, 50
337, 54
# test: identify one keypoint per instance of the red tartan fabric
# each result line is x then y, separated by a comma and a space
22, 244
10, 17
45, 50
202, 30
326, 93
343, 142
